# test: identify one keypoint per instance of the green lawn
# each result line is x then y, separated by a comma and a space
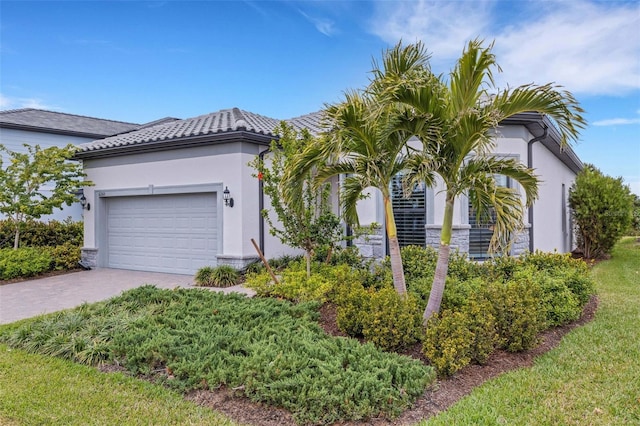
40, 390
592, 378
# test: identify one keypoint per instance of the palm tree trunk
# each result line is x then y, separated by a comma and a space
397, 270
439, 279
16, 239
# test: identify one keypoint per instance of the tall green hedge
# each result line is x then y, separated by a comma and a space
40, 234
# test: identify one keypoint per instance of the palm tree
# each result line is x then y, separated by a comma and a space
457, 119
366, 145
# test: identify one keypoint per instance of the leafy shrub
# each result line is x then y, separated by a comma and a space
447, 342
220, 276
65, 256
463, 269
602, 208
294, 285
519, 317
353, 301
418, 262
24, 262
559, 303
391, 322
272, 351
454, 338
40, 234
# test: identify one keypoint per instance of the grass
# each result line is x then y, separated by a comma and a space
274, 351
592, 378
37, 390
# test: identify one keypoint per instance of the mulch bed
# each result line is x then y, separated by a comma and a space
444, 394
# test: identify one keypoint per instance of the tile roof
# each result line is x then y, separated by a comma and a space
59, 122
223, 121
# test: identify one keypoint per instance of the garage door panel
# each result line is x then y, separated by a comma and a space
163, 233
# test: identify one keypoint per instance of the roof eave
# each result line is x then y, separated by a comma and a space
54, 131
177, 143
536, 123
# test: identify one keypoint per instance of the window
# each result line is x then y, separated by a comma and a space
410, 213
481, 232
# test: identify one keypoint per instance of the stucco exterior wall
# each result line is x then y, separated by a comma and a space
223, 165
14, 140
551, 218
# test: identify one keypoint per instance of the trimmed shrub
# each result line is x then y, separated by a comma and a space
519, 316
65, 256
353, 301
447, 342
220, 276
40, 234
454, 338
24, 262
391, 322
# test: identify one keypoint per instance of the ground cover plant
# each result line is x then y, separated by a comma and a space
271, 351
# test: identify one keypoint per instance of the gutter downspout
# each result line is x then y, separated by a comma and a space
530, 165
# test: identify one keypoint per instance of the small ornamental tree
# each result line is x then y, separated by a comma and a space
34, 183
306, 220
602, 210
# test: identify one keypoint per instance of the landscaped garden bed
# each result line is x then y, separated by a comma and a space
287, 356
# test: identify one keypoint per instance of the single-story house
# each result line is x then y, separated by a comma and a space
49, 128
179, 195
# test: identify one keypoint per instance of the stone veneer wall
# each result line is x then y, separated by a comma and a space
521, 242
459, 237
89, 256
371, 245
238, 262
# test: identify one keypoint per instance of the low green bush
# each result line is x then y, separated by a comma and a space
456, 337
65, 256
391, 322
40, 234
447, 342
272, 351
518, 311
353, 301
24, 262
219, 276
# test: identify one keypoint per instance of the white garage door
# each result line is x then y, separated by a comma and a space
162, 233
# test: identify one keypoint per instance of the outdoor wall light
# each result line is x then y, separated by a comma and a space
83, 202
226, 196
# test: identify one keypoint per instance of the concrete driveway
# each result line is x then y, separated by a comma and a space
39, 296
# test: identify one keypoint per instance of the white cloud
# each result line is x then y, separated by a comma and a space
590, 48
16, 103
443, 26
323, 25
616, 121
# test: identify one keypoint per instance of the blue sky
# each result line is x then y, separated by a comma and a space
140, 61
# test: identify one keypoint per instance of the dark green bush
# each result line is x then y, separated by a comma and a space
353, 302
391, 322
219, 276
602, 208
65, 256
40, 234
24, 262
447, 342
271, 351
456, 337
518, 311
